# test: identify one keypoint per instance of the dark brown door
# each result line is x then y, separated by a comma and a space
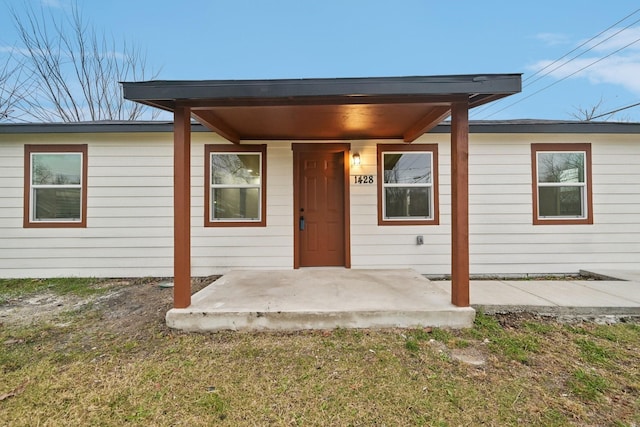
320, 203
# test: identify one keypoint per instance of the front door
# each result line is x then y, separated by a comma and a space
321, 205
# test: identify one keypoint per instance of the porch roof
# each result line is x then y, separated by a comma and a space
324, 109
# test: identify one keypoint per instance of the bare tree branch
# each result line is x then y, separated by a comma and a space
75, 71
587, 114
13, 87
596, 112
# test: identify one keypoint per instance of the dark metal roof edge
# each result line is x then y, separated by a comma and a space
349, 86
444, 78
502, 126
544, 126
93, 127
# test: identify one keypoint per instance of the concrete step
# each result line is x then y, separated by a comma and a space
319, 299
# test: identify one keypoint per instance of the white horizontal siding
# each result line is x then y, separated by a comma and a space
28, 245
130, 216
568, 232
39, 254
129, 211
216, 250
11, 188
76, 267
224, 264
374, 246
502, 237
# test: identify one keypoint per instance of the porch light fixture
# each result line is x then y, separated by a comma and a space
356, 159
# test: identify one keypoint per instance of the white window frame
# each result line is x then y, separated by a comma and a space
585, 187
581, 185
390, 149
34, 187
220, 150
31, 152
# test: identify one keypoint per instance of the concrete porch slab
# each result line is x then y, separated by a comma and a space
319, 299
578, 292
588, 298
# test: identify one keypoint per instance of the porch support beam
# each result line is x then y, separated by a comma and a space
428, 122
460, 204
216, 125
182, 208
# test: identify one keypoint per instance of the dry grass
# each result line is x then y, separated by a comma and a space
82, 368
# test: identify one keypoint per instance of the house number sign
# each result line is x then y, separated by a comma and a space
363, 179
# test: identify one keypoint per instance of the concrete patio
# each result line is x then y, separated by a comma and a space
319, 299
349, 298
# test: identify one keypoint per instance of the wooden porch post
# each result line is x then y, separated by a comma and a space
181, 207
460, 204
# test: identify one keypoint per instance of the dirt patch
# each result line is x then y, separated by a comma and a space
38, 308
126, 305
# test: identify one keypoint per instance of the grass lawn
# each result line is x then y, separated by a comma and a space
87, 366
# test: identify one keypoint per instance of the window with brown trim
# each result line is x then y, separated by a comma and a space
235, 185
55, 186
408, 184
561, 183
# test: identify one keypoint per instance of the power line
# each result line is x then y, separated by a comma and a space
585, 43
581, 53
564, 78
615, 111
488, 106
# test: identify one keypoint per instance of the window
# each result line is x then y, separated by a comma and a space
561, 183
407, 184
55, 186
235, 185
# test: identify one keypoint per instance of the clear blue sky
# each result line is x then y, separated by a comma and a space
268, 39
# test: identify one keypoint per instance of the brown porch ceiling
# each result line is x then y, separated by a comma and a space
323, 109
315, 122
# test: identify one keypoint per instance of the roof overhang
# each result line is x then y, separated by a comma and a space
324, 109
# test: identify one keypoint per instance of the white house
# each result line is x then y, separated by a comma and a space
298, 176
